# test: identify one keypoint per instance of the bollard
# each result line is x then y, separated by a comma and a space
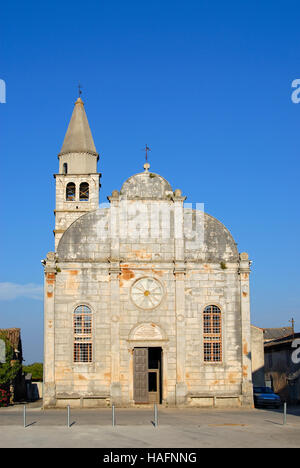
284, 413
113, 416
68, 415
155, 415
24, 415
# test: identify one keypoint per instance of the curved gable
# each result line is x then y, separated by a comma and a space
88, 238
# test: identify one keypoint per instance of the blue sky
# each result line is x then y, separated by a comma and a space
207, 85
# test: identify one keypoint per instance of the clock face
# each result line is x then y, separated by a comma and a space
147, 293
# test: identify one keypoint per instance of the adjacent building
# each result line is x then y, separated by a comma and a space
257, 356
282, 362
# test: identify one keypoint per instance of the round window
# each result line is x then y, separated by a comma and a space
147, 293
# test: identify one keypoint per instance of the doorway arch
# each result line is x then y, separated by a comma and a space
148, 345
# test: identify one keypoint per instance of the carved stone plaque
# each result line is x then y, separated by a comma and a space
147, 331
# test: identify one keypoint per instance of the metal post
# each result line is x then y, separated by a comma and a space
68, 413
113, 416
24, 415
155, 415
284, 413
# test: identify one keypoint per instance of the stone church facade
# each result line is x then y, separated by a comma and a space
146, 299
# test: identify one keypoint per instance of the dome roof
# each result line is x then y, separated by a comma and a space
146, 185
89, 238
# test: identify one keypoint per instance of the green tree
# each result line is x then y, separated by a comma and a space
8, 370
36, 369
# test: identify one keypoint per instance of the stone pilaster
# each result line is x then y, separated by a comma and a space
179, 273
114, 273
49, 392
247, 389
181, 387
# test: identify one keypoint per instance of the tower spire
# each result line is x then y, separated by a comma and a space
78, 179
78, 138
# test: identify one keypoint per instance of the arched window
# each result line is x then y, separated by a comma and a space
70, 191
84, 191
212, 334
65, 168
82, 322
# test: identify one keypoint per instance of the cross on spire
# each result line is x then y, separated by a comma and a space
146, 165
146, 150
79, 90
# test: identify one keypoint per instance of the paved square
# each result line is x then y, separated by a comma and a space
177, 428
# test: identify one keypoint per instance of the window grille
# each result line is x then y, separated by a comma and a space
212, 334
70, 191
84, 191
82, 323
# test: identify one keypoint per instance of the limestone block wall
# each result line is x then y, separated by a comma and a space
67, 212
78, 163
162, 317
258, 357
77, 285
97, 269
90, 285
210, 285
62, 181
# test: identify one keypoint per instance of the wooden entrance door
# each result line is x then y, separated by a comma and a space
140, 375
154, 385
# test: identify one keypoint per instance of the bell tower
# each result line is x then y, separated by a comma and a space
78, 181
